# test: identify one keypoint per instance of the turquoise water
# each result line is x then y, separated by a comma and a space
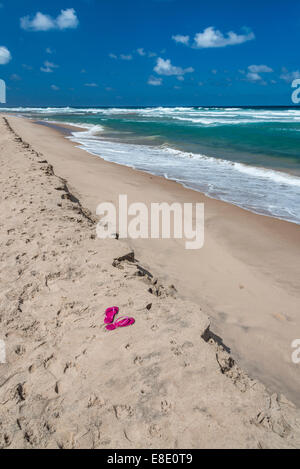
247, 156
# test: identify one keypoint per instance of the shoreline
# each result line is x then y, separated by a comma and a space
246, 277
264, 172
58, 126
165, 382
285, 174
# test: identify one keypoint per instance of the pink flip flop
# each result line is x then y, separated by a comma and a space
122, 322
110, 314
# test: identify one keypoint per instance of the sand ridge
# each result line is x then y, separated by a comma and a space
69, 383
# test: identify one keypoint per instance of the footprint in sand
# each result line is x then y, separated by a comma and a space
166, 407
20, 350
138, 360
133, 433
5, 441
180, 349
176, 349
155, 431
95, 401
123, 411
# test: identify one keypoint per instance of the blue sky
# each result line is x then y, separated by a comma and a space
149, 52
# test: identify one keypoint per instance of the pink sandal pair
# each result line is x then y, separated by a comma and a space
110, 314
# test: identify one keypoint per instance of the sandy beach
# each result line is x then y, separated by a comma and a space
246, 276
167, 381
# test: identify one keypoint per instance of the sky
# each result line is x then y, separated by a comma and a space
149, 52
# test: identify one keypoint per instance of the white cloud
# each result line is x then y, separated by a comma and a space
154, 81
164, 67
122, 56
67, 19
254, 72
54, 88
40, 22
141, 51
48, 67
260, 69
5, 55
253, 77
289, 76
49, 50
91, 85
212, 37
181, 39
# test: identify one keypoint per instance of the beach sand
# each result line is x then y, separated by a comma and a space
247, 276
164, 382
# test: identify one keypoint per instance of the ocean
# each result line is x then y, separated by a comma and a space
249, 157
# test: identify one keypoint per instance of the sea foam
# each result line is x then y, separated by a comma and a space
263, 191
